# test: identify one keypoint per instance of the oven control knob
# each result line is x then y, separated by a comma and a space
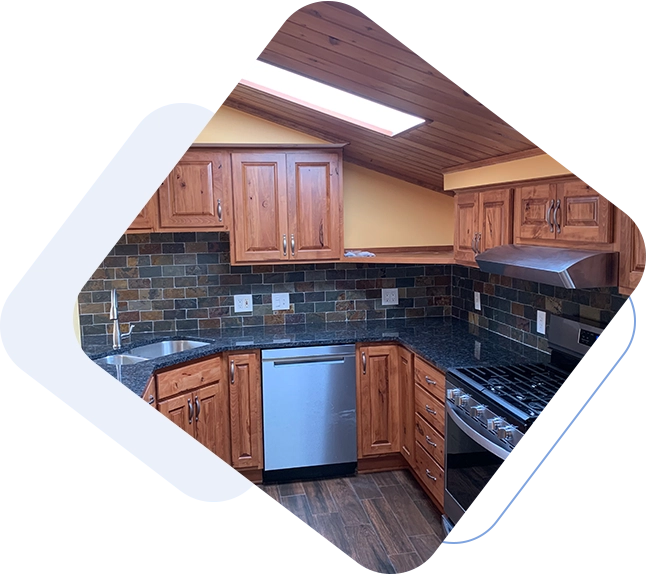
505, 432
453, 393
477, 411
462, 400
495, 423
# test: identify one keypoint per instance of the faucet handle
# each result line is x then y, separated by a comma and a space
130, 330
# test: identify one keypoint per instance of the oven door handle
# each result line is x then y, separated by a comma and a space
477, 437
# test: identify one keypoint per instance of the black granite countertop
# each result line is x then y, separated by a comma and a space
445, 342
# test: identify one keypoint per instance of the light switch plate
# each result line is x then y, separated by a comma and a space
390, 297
243, 304
280, 301
541, 322
477, 300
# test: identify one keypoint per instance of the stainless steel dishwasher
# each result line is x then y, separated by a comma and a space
309, 417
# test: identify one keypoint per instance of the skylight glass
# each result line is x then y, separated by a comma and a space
328, 100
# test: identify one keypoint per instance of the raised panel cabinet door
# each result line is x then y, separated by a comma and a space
582, 214
407, 405
196, 194
180, 411
466, 225
378, 400
495, 213
260, 230
632, 254
211, 419
147, 218
314, 206
535, 212
245, 410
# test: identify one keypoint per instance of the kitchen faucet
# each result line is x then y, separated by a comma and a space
114, 317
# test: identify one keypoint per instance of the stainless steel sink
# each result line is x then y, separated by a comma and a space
123, 359
163, 348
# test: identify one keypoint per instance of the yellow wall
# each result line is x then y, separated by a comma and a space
379, 211
520, 169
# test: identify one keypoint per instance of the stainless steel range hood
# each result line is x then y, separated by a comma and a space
569, 268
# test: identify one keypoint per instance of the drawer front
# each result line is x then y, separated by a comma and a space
430, 379
188, 377
150, 395
432, 476
432, 410
430, 439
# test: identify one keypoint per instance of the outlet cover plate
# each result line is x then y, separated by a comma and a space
477, 300
541, 322
390, 297
280, 301
243, 304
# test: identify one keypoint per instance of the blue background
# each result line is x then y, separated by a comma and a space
72, 82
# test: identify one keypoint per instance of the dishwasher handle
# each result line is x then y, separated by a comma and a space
325, 360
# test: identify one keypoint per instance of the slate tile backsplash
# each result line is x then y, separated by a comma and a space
184, 281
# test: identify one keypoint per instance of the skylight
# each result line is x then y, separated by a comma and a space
328, 100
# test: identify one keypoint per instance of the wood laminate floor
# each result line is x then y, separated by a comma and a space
382, 520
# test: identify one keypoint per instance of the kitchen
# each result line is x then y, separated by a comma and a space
435, 277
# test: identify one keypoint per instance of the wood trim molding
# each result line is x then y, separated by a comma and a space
266, 146
532, 152
519, 183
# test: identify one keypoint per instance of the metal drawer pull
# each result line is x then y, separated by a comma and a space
430, 410
292, 244
431, 442
197, 409
151, 400
285, 245
231, 372
430, 381
219, 211
363, 363
190, 410
549, 215
429, 475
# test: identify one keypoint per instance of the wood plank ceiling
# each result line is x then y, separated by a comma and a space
337, 45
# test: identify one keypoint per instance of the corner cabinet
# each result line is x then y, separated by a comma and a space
632, 254
287, 206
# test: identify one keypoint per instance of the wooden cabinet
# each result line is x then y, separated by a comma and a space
245, 410
632, 254
405, 374
565, 211
287, 206
196, 194
378, 400
148, 218
483, 221
150, 393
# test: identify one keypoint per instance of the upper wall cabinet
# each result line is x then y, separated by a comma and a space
632, 254
483, 220
567, 211
196, 194
148, 218
287, 206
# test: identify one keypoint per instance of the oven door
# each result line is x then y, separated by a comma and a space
472, 456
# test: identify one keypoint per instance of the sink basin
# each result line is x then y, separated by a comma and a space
164, 348
122, 359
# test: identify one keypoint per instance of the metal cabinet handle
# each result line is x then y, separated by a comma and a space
292, 244
474, 243
363, 362
429, 381
190, 410
430, 410
478, 242
429, 441
231, 371
429, 475
285, 245
219, 210
549, 215
197, 409
151, 399
558, 209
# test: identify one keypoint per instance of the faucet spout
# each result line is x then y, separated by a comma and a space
114, 317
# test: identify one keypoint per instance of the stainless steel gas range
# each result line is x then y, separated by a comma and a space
489, 409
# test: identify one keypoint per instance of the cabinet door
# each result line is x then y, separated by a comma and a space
632, 255
245, 410
495, 215
180, 411
534, 212
212, 419
147, 219
582, 214
314, 206
379, 405
407, 406
466, 225
260, 230
196, 193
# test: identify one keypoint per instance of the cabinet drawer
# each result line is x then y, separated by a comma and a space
150, 395
432, 476
432, 410
430, 439
188, 377
430, 379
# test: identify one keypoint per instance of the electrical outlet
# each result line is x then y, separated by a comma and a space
243, 304
390, 297
541, 322
280, 301
477, 300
